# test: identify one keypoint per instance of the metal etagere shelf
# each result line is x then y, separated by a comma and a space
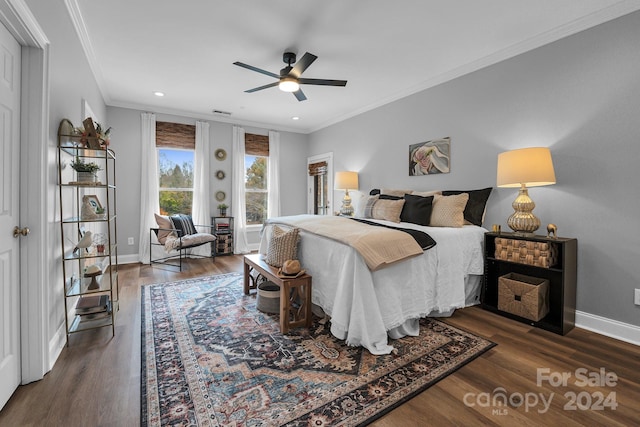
88, 219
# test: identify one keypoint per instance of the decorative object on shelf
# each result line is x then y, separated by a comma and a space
66, 128
93, 271
99, 239
220, 196
85, 241
223, 209
346, 181
92, 135
524, 167
91, 208
431, 157
220, 154
496, 228
86, 171
220, 174
552, 231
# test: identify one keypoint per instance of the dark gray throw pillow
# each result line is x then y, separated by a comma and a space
416, 209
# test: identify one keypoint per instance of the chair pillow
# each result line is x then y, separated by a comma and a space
165, 225
189, 241
283, 246
184, 224
448, 211
476, 206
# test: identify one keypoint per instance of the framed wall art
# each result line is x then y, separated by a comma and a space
430, 157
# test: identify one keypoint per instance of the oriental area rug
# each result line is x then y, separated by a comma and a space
210, 358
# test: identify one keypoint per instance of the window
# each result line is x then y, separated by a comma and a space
176, 152
256, 163
175, 169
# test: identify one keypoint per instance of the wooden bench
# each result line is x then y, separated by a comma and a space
295, 293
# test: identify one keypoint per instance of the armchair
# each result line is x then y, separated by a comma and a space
178, 235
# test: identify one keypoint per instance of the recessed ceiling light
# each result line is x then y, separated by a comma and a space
295, 118
158, 93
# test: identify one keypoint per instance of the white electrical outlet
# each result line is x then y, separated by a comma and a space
130, 241
636, 299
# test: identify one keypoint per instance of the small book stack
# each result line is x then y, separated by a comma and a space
93, 307
222, 227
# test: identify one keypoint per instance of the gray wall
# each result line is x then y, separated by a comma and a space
580, 96
71, 81
125, 141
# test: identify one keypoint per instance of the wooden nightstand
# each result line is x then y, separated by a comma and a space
562, 277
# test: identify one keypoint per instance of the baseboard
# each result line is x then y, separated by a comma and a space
129, 259
56, 344
608, 327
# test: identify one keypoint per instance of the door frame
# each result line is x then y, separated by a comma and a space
34, 152
327, 157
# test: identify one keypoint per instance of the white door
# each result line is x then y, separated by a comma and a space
320, 187
9, 215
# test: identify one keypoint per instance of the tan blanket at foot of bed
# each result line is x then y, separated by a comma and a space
378, 246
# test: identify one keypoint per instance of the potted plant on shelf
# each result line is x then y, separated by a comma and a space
86, 171
223, 209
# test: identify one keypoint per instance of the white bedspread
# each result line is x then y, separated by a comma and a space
365, 306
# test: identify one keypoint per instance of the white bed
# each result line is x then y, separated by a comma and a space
369, 307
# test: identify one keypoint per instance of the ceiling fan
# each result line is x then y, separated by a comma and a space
289, 79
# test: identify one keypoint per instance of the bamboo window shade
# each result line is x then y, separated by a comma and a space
175, 135
256, 145
319, 168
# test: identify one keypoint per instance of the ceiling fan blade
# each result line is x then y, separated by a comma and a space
299, 95
255, 89
304, 62
322, 82
259, 70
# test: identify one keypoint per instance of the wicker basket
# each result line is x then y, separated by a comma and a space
523, 296
268, 298
540, 254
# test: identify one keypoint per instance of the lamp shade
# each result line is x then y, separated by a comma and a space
532, 167
346, 181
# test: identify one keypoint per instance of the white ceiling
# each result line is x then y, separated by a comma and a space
385, 49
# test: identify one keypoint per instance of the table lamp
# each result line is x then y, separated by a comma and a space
525, 167
346, 181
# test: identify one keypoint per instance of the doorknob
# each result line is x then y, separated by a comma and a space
17, 231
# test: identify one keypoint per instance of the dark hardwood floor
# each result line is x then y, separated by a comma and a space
96, 380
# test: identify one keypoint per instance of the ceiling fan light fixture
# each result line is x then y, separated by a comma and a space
289, 85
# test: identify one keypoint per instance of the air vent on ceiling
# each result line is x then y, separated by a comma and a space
224, 113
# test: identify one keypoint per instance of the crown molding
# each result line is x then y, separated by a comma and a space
207, 117
81, 30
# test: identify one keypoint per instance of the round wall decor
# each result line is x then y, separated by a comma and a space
220, 154
220, 174
220, 196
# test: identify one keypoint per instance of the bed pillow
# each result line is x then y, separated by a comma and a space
398, 193
283, 246
448, 211
388, 210
476, 206
427, 193
416, 209
164, 223
367, 210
